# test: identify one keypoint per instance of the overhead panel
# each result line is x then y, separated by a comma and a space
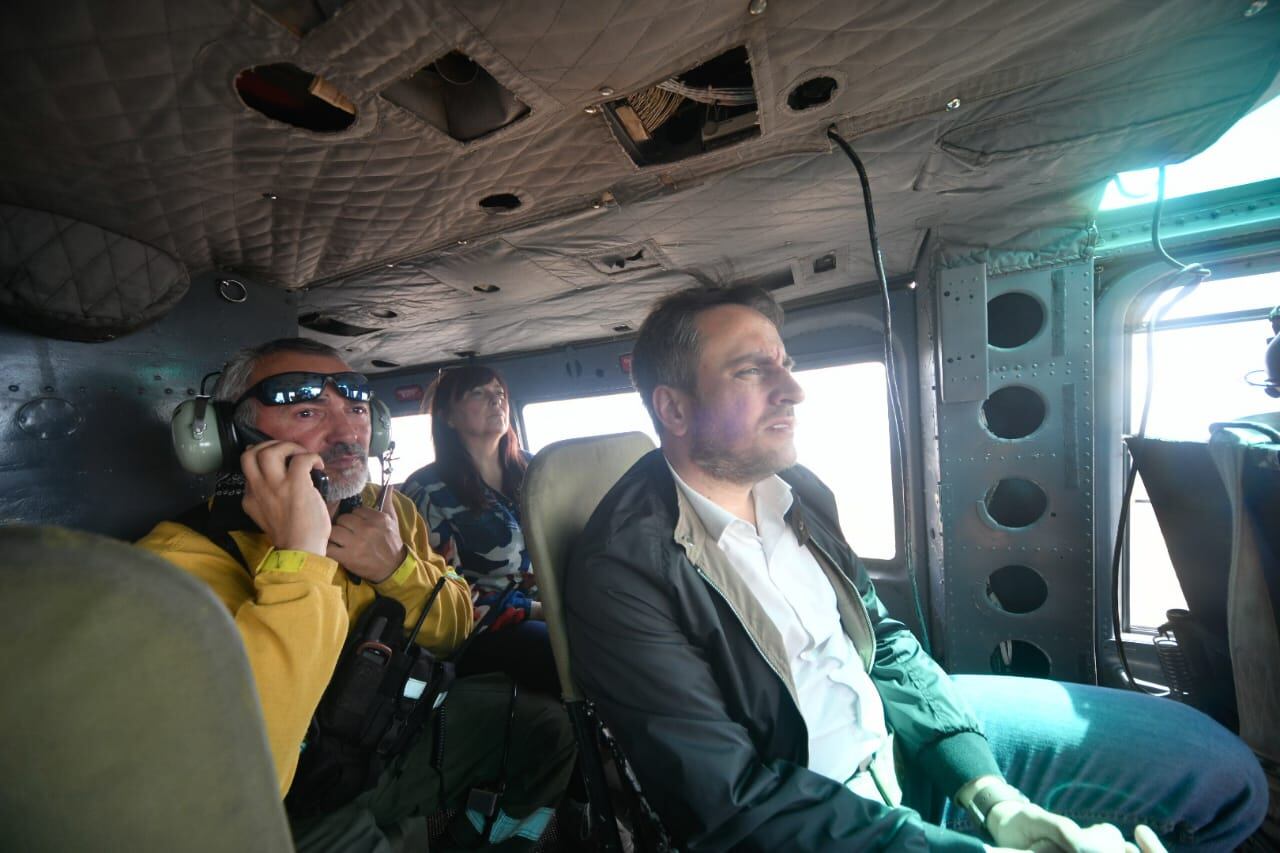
1015, 467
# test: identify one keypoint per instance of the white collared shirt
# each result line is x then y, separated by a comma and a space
841, 708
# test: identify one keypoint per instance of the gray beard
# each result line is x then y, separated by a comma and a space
348, 487
340, 490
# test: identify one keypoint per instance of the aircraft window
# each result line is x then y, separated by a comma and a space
412, 435
1244, 155
1203, 350
843, 436
556, 420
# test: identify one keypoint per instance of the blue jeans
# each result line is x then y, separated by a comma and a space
1100, 755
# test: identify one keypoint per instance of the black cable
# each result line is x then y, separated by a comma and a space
205, 379
1131, 478
426, 608
1122, 525
1157, 244
895, 401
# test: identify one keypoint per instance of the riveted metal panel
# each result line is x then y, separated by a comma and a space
1053, 366
962, 332
84, 427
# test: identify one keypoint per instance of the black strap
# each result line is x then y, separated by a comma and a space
200, 519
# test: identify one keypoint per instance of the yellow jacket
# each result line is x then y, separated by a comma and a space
294, 612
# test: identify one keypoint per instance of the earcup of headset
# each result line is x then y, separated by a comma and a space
203, 436
379, 427
205, 441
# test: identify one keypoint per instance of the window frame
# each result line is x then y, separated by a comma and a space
1134, 326
1215, 235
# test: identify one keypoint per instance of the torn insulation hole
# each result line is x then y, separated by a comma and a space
331, 326
486, 288
698, 110
382, 362
457, 96
500, 203
619, 262
285, 93
629, 259
812, 93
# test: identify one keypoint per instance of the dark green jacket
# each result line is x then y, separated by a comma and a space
691, 676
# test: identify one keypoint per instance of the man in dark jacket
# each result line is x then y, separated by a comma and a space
735, 646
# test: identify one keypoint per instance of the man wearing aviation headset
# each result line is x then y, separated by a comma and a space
297, 569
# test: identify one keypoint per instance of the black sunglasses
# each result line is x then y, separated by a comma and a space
284, 389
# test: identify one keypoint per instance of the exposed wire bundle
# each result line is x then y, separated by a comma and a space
654, 106
729, 96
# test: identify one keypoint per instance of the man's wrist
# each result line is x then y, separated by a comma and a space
979, 796
405, 558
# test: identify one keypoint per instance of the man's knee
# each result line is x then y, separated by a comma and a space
1238, 777
546, 722
529, 731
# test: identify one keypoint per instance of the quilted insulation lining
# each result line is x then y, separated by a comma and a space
70, 279
131, 122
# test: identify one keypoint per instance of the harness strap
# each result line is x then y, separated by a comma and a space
199, 519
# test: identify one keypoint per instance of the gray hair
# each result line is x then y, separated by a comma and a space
667, 350
234, 380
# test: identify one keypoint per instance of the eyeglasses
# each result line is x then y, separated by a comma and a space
284, 389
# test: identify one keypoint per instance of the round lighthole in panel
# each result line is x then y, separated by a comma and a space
1013, 319
1013, 412
1018, 657
1014, 502
1016, 589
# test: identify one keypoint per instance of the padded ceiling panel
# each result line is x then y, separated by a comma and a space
70, 279
131, 122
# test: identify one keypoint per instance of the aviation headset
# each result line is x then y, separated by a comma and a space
206, 437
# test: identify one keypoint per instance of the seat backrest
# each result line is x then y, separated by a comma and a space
130, 720
1194, 514
562, 487
1247, 462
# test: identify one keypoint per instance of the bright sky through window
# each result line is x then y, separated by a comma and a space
1243, 155
1200, 378
842, 434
